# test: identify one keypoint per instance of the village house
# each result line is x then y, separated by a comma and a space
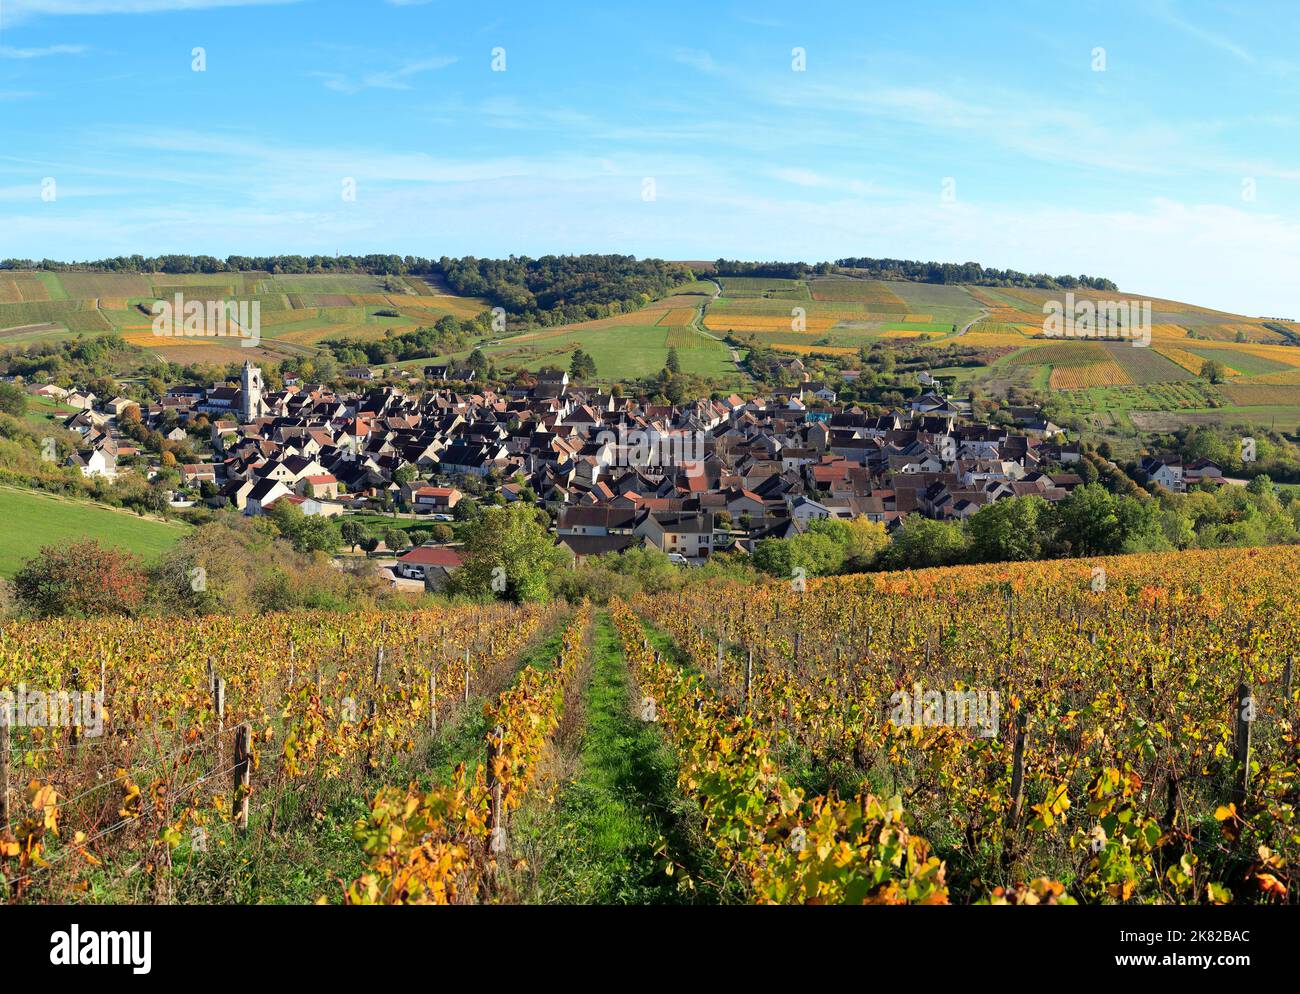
1167, 471
432, 564
435, 500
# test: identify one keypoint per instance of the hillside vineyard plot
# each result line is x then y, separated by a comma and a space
256, 717
1117, 730
1144, 747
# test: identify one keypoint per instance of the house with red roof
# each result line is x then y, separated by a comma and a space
430, 563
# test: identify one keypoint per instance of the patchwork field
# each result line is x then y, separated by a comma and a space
838, 316
1102, 383
621, 352
827, 316
297, 311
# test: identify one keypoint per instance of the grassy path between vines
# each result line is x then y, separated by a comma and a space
619, 825
304, 863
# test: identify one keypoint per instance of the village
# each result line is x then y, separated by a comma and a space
691, 480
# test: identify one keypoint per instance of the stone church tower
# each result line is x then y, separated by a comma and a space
250, 395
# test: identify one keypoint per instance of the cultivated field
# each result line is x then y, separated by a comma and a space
986, 734
297, 311
625, 346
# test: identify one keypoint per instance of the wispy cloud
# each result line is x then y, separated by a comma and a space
820, 181
388, 79
758, 20
9, 52
16, 11
696, 59
1168, 13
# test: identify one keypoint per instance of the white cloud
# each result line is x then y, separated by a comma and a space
696, 58
389, 79
16, 11
1167, 13
9, 52
820, 181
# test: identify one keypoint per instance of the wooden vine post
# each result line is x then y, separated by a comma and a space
372, 707
1017, 785
496, 815
73, 728
4, 766
433, 701
242, 775
1245, 719
749, 677
219, 718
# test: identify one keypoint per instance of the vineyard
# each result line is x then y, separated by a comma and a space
203, 720
1144, 748
1106, 731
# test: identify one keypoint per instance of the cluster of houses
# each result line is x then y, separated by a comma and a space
1176, 476
102, 445
691, 479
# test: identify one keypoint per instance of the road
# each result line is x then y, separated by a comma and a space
698, 324
980, 317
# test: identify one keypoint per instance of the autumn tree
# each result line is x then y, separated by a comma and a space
83, 579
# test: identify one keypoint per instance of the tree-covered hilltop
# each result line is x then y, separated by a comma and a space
968, 272
558, 289
363, 265
553, 289
771, 270
913, 271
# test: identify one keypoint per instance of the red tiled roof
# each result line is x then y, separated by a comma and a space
426, 555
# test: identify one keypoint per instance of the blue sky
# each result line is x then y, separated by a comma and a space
1175, 171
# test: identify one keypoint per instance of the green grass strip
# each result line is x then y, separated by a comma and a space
620, 825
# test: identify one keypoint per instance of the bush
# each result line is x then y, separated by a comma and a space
83, 579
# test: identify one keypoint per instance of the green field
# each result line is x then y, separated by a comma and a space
45, 411
620, 352
33, 519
